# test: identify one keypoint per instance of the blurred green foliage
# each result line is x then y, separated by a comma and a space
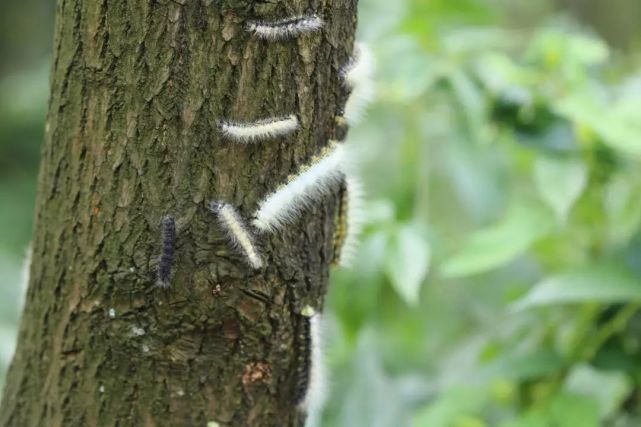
499, 279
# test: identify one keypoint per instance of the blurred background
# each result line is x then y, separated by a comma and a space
499, 279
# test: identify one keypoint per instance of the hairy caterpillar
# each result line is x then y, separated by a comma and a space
359, 68
303, 361
311, 384
357, 76
260, 129
349, 222
168, 253
237, 232
313, 179
285, 28
340, 225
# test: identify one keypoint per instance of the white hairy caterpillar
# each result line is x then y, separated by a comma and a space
237, 232
314, 395
358, 76
260, 129
354, 213
285, 28
286, 203
360, 67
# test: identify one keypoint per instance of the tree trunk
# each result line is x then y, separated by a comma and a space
137, 89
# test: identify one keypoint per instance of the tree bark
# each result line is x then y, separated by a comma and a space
136, 91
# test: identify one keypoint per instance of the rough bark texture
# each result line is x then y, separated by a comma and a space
137, 88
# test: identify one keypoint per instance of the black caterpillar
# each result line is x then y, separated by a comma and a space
168, 253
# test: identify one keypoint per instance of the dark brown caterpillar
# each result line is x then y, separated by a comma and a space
303, 359
168, 253
340, 224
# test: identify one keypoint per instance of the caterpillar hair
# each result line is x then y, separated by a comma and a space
286, 203
168, 251
311, 387
237, 232
260, 129
285, 28
350, 222
358, 101
360, 67
357, 75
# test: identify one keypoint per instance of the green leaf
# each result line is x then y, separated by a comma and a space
468, 421
449, 407
524, 366
560, 181
530, 419
408, 262
563, 410
623, 206
472, 104
570, 410
599, 283
618, 123
609, 389
571, 53
621, 126
497, 245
